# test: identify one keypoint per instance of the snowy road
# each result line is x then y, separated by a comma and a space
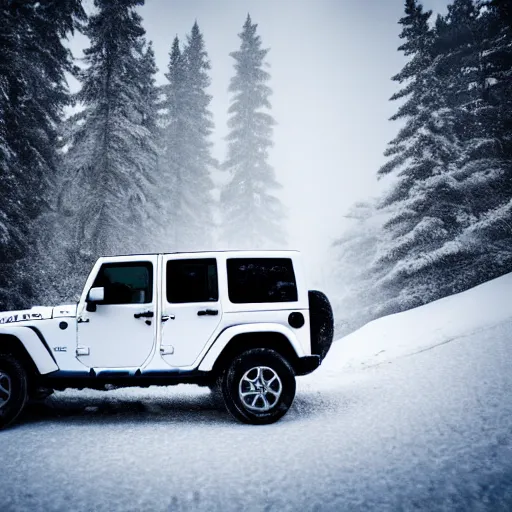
430, 430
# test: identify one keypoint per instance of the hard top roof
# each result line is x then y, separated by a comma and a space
222, 251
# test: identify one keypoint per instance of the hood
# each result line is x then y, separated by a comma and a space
64, 310
37, 313
24, 315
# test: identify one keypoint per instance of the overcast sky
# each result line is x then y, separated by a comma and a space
331, 63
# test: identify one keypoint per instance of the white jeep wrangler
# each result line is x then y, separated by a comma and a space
241, 322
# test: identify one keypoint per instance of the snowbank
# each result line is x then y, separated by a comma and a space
422, 328
372, 429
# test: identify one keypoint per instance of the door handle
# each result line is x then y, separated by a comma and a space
167, 317
145, 314
210, 312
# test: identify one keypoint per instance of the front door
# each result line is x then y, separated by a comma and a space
116, 334
191, 309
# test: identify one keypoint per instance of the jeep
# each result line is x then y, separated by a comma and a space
240, 322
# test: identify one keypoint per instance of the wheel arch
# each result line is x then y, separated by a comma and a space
26, 345
233, 342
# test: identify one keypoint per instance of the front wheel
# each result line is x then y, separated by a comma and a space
258, 387
13, 389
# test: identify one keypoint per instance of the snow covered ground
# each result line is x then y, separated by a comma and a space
413, 411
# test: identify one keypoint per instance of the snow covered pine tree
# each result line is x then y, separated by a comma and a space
173, 139
451, 229
483, 58
425, 202
352, 283
251, 215
33, 93
111, 159
186, 161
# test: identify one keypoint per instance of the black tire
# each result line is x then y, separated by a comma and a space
245, 367
321, 322
39, 394
13, 378
216, 395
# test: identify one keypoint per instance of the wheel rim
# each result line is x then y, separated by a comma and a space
260, 389
5, 388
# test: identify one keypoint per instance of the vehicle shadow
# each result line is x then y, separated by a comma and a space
136, 407
109, 407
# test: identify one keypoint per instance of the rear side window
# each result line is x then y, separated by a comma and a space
126, 283
192, 281
256, 280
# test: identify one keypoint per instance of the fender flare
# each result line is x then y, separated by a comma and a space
35, 346
228, 334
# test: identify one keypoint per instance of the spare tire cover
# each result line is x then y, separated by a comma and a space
321, 321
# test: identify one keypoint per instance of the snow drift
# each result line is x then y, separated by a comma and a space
411, 412
404, 334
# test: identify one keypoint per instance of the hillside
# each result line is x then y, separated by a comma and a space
411, 412
396, 336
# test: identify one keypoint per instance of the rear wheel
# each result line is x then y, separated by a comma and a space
258, 387
13, 389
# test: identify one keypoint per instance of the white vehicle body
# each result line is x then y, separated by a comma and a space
68, 341
241, 322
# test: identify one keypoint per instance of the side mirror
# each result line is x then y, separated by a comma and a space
94, 296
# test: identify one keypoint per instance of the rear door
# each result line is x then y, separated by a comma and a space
191, 307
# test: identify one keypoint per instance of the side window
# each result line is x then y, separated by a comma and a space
192, 281
126, 283
256, 280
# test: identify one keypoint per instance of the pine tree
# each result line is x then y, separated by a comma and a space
453, 200
173, 140
111, 158
352, 284
503, 10
462, 42
425, 200
150, 204
198, 226
149, 100
33, 93
187, 161
251, 215
485, 172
